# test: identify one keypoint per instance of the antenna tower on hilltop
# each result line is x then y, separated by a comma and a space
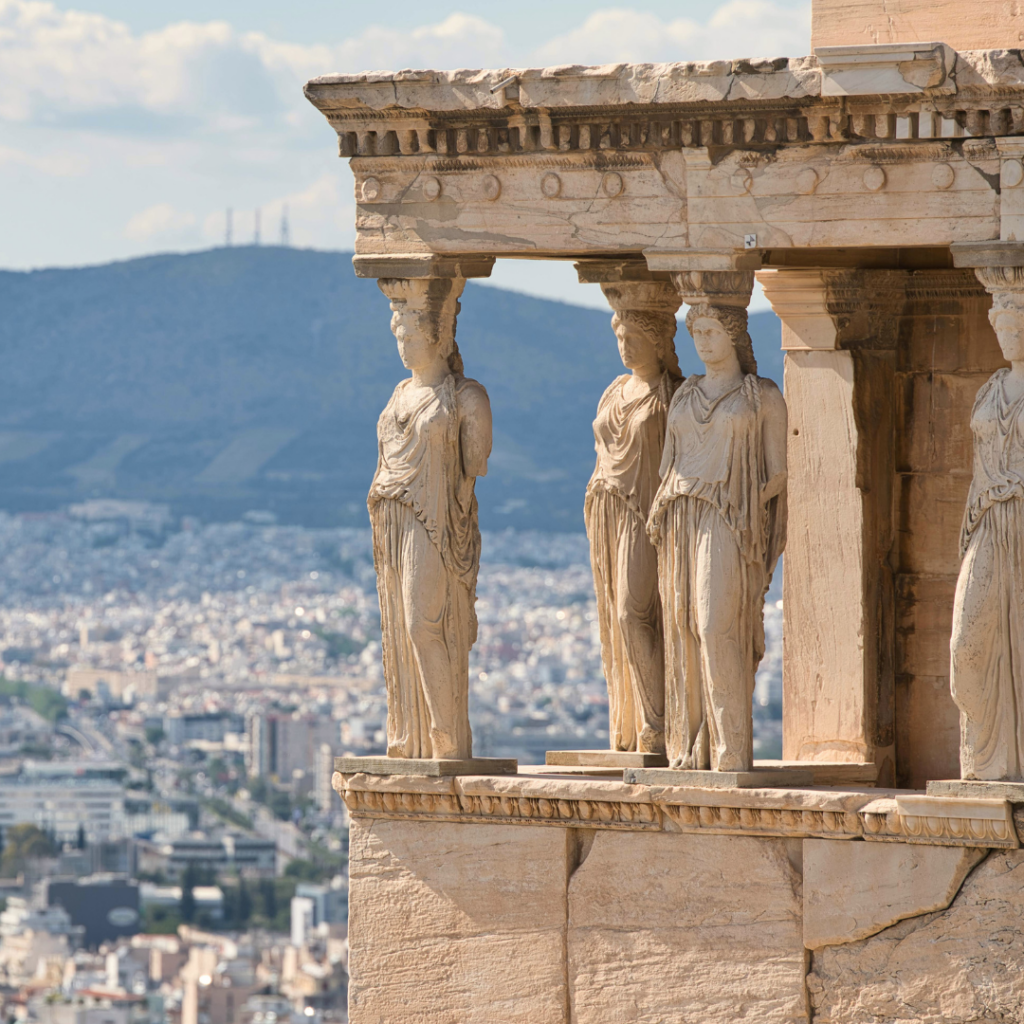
228, 227
286, 234
256, 229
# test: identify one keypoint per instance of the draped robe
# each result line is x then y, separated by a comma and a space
628, 436
717, 544
426, 550
987, 644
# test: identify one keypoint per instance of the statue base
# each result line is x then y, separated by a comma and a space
757, 778
605, 759
829, 773
426, 766
978, 789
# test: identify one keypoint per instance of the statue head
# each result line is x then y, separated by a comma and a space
1009, 328
423, 317
644, 323
1006, 286
717, 329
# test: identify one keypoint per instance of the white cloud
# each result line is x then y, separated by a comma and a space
56, 165
156, 133
161, 222
739, 28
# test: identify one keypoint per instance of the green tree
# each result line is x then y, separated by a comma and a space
24, 843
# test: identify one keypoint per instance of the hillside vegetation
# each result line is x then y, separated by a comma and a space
252, 378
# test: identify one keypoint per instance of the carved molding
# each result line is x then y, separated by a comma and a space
714, 287
830, 308
918, 820
364, 134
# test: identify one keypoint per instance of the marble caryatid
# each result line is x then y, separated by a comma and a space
987, 643
719, 525
629, 434
434, 439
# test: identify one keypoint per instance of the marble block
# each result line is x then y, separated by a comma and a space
829, 773
685, 928
964, 963
853, 890
975, 788
457, 925
779, 778
605, 759
431, 767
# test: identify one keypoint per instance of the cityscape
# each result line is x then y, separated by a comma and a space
173, 695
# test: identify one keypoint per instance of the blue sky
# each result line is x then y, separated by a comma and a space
128, 127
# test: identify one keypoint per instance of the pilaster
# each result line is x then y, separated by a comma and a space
839, 330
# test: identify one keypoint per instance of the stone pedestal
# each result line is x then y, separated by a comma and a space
978, 789
605, 759
757, 778
429, 767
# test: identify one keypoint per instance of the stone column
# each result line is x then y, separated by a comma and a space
839, 332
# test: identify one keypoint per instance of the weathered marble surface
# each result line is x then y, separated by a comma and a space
958, 965
853, 890
601, 803
694, 928
456, 925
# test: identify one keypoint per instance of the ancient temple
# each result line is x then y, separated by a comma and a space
876, 190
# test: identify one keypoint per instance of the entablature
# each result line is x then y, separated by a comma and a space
655, 159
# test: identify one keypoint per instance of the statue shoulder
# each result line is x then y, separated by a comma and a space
684, 387
771, 393
472, 396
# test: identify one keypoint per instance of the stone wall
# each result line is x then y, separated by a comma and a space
502, 913
947, 350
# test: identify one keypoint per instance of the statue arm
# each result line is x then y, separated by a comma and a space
475, 430
776, 425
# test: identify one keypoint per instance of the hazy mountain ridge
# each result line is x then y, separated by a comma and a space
247, 378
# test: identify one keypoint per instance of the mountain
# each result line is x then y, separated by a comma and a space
251, 378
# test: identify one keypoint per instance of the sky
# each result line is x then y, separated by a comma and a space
128, 127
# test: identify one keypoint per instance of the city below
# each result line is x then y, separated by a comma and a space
173, 695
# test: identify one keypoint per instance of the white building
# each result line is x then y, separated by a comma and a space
61, 805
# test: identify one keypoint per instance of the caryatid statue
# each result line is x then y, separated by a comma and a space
719, 525
987, 644
629, 433
434, 439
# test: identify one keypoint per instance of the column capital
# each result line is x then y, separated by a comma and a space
420, 265
1005, 285
714, 287
823, 309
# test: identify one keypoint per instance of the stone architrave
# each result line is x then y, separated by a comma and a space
434, 439
629, 435
719, 524
987, 645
